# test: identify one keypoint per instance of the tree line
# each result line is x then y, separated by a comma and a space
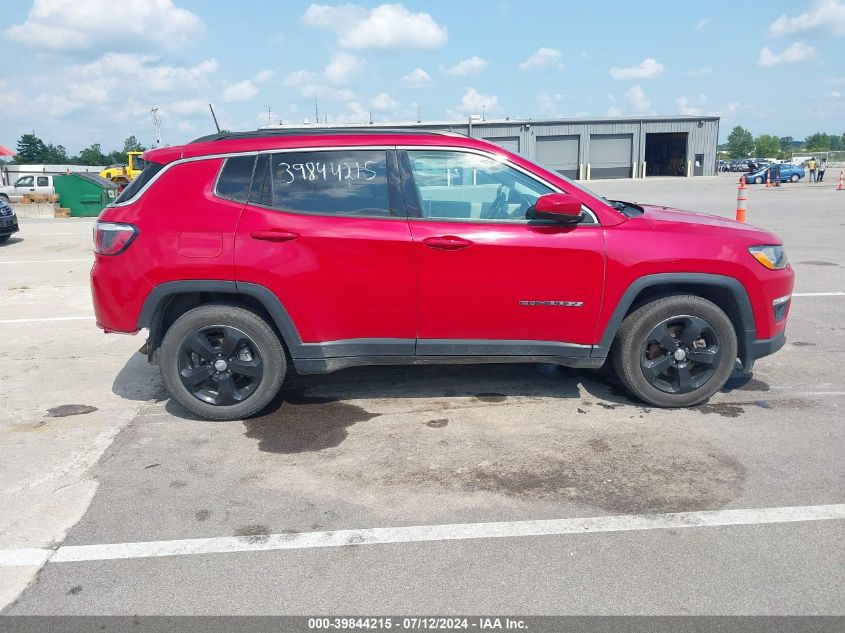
742, 144
33, 151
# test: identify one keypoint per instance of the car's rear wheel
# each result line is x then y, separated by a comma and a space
4, 197
222, 362
675, 351
794, 177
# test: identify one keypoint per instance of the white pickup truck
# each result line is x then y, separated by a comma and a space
27, 184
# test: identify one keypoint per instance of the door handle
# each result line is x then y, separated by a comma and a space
447, 243
273, 235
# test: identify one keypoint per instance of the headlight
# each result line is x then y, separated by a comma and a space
772, 257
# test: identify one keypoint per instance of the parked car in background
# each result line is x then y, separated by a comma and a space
738, 164
27, 184
8, 221
244, 254
788, 173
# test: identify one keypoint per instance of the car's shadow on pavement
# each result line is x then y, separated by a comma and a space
11, 240
487, 383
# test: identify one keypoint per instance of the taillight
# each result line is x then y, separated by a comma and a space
111, 238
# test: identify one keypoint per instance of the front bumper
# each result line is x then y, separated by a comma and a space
759, 348
8, 225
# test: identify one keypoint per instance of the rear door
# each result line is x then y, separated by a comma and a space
325, 231
43, 184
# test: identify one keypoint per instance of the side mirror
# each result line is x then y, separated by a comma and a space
560, 207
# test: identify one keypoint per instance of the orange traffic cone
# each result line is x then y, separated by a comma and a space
768, 179
841, 186
742, 200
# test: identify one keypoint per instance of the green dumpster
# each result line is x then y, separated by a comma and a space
84, 193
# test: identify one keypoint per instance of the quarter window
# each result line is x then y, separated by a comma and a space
352, 182
43, 181
235, 177
463, 186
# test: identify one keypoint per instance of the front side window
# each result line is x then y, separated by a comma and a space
464, 186
43, 181
26, 181
348, 182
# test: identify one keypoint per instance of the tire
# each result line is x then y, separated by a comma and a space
4, 197
5, 238
794, 178
702, 354
198, 344
758, 180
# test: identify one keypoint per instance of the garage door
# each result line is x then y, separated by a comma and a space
510, 143
559, 153
610, 155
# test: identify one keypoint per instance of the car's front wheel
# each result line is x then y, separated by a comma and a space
794, 177
675, 351
758, 180
222, 362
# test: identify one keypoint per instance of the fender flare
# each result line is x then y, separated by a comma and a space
737, 290
160, 295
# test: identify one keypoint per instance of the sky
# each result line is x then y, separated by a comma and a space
78, 72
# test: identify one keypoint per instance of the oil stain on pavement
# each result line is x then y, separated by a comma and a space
300, 423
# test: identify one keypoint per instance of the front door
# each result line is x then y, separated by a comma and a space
492, 281
24, 185
326, 233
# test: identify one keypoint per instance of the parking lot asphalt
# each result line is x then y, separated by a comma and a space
455, 489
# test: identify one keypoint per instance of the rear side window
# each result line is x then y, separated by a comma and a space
42, 181
235, 177
347, 182
136, 185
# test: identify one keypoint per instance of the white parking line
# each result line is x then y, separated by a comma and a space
818, 294
421, 534
49, 261
43, 319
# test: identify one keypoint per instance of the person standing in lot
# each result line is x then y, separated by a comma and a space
822, 167
812, 167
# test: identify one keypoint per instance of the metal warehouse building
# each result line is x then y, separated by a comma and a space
592, 148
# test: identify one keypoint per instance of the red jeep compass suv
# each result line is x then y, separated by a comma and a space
246, 253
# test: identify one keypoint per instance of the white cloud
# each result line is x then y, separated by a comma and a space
700, 72
383, 101
834, 94
142, 70
343, 67
728, 111
417, 78
614, 111
543, 58
385, 26
835, 81
637, 99
685, 107
549, 103
77, 25
647, 69
299, 78
701, 24
466, 67
474, 102
797, 52
826, 15
240, 91
264, 76
186, 107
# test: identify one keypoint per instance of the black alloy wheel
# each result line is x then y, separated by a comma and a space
680, 354
220, 365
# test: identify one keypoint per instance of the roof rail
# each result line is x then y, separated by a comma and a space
225, 136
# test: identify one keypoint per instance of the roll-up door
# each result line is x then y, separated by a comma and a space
510, 143
610, 155
559, 153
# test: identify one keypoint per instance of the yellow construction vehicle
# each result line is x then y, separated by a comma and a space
123, 174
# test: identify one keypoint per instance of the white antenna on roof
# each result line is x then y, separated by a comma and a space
157, 123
